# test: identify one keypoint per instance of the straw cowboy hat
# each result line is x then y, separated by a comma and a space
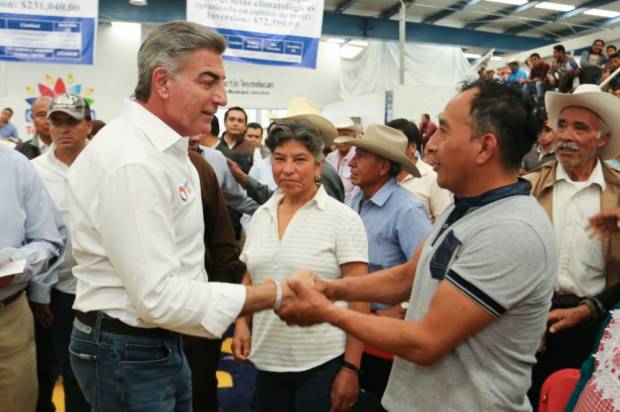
300, 108
590, 96
344, 123
386, 142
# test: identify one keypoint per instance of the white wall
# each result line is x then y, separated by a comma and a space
114, 75
370, 108
108, 82
411, 102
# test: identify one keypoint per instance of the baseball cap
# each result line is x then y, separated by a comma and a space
71, 104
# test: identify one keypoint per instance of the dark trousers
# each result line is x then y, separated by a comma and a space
374, 378
307, 391
61, 306
568, 348
203, 356
47, 368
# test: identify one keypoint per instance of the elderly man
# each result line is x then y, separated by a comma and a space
577, 185
32, 230
41, 140
138, 233
481, 283
395, 221
70, 125
342, 155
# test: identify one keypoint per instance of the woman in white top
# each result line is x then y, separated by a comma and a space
301, 369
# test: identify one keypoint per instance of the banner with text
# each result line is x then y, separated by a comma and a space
48, 31
275, 32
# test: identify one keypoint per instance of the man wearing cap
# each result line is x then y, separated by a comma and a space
478, 289
342, 155
69, 125
137, 233
395, 221
41, 141
577, 185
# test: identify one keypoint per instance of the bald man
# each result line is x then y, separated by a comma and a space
41, 140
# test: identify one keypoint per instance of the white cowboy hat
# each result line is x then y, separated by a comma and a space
590, 96
386, 142
344, 123
300, 108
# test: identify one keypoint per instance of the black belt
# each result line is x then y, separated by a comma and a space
565, 300
10, 299
115, 326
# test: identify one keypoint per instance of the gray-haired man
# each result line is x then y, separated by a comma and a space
138, 233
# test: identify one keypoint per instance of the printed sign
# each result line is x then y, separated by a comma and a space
275, 32
48, 31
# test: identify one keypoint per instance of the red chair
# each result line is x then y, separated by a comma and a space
557, 389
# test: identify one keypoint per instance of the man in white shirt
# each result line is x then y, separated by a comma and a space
342, 155
576, 186
137, 232
70, 125
425, 187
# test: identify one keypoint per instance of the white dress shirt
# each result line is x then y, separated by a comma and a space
137, 229
425, 188
582, 264
341, 164
53, 173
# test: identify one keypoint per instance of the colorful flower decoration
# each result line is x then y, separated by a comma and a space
59, 87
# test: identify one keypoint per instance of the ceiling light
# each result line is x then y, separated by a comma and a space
513, 2
602, 13
548, 5
335, 40
348, 51
472, 55
358, 43
138, 2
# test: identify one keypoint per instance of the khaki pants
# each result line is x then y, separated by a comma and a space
18, 370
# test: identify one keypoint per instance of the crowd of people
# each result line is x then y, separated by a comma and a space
400, 267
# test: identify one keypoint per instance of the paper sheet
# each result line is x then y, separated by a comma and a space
12, 268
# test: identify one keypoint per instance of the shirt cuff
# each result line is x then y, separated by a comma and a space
226, 304
39, 293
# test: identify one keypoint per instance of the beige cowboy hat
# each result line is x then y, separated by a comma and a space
344, 123
590, 96
386, 142
300, 108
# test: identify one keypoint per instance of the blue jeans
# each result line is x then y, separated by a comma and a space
130, 373
307, 391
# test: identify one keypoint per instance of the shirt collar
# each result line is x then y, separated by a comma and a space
319, 199
596, 177
384, 193
156, 130
522, 187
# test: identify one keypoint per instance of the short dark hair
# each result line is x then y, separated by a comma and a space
8, 109
300, 131
237, 108
535, 55
215, 126
611, 46
255, 125
508, 114
514, 62
409, 129
88, 114
395, 169
271, 125
597, 40
559, 48
614, 56
428, 116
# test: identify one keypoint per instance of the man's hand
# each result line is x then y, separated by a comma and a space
242, 341
306, 277
604, 224
395, 311
43, 314
344, 391
237, 173
308, 308
567, 318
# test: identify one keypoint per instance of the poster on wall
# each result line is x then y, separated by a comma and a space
274, 32
48, 31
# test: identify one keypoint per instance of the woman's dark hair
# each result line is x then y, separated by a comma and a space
299, 131
504, 111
